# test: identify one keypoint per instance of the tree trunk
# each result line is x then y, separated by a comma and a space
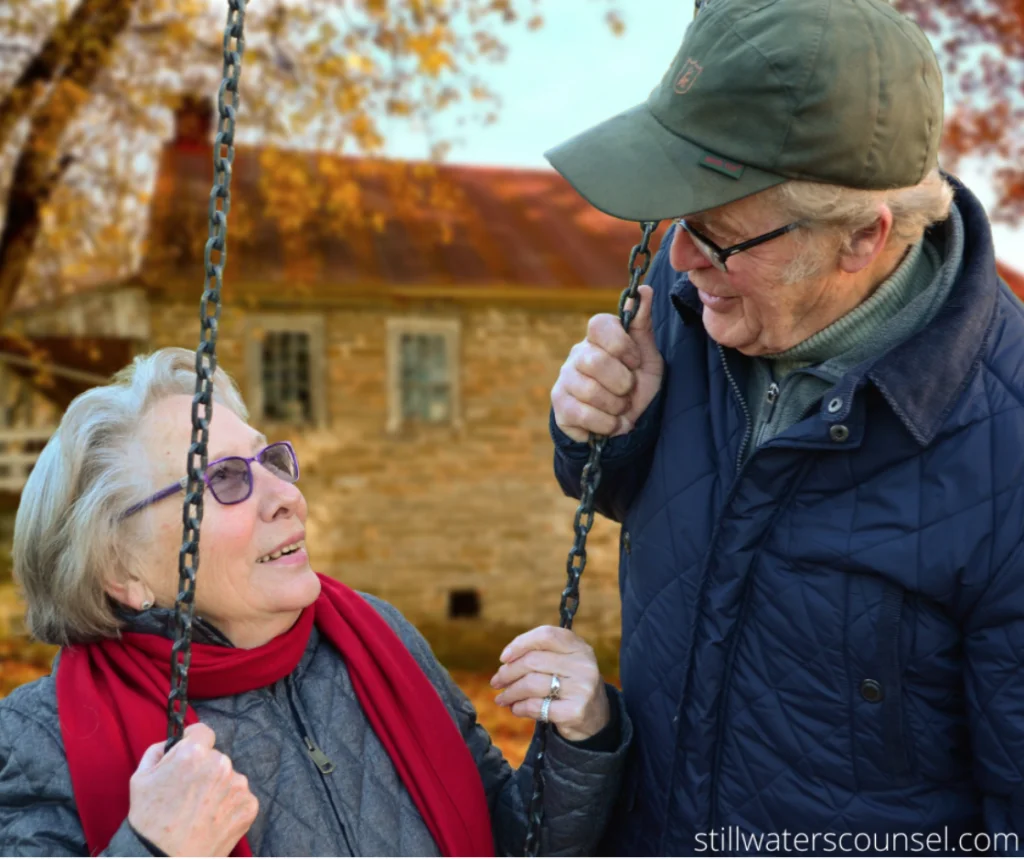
66, 38
37, 170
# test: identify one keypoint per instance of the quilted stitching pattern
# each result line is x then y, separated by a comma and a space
753, 609
361, 808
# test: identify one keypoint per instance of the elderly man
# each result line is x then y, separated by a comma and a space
816, 453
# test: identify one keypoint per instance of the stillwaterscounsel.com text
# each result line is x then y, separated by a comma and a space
736, 839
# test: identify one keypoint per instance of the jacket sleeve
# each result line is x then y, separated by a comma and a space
580, 786
627, 458
994, 688
37, 807
624, 463
582, 782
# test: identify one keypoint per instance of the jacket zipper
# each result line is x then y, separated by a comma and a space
730, 659
743, 405
711, 550
771, 397
323, 763
714, 542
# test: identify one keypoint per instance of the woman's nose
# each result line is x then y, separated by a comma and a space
280, 498
684, 255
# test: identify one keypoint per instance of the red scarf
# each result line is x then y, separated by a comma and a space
112, 701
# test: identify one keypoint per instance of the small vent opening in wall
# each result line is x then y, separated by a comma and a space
463, 603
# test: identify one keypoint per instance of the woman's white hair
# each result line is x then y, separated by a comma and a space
68, 533
840, 213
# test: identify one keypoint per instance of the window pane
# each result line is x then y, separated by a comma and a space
287, 386
426, 387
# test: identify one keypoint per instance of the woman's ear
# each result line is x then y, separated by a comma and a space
131, 592
868, 243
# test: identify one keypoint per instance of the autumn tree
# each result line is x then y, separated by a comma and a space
85, 89
981, 44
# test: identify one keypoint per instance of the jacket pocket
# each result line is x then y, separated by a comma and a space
890, 667
879, 721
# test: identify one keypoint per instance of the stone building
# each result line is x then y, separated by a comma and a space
402, 325
410, 360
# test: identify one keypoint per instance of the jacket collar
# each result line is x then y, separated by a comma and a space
922, 378
161, 621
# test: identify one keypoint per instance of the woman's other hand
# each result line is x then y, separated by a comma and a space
190, 801
580, 709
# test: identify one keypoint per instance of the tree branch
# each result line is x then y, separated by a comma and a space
67, 38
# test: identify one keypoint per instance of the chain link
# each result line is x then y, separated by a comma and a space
582, 523
206, 366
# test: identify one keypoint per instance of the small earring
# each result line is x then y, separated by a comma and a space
147, 605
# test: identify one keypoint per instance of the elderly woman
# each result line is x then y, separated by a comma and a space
319, 721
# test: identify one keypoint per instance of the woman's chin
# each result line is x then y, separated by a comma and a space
291, 587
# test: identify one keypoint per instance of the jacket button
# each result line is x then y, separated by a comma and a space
871, 691
839, 433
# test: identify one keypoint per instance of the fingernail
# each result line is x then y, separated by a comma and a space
505, 654
494, 680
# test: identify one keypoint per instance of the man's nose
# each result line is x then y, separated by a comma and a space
684, 255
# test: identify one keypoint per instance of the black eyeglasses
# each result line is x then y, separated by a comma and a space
717, 256
230, 478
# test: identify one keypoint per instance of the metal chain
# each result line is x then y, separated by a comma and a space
582, 524
206, 366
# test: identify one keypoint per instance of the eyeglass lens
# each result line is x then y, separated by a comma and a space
708, 251
705, 249
230, 480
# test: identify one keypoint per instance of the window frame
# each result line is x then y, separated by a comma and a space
450, 331
310, 324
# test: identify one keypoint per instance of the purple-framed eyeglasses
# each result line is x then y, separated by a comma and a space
229, 479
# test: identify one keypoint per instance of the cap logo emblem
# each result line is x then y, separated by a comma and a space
688, 77
721, 165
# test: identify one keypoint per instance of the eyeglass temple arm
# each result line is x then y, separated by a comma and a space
159, 496
774, 234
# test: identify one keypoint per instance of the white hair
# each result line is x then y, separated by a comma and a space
68, 533
839, 213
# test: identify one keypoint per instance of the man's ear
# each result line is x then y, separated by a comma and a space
868, 243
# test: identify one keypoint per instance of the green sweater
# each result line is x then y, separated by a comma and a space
782, 388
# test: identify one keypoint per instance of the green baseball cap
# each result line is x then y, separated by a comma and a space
847, 92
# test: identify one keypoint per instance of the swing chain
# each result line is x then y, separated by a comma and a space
582, 523
206, 366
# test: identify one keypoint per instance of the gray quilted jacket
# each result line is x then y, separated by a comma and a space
325, 784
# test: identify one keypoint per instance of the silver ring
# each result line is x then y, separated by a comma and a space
556, 685
545, 705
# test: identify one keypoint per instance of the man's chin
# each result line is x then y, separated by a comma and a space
729, 333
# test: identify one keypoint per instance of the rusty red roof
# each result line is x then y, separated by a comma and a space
302, 220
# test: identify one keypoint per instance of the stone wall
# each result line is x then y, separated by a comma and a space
417, 513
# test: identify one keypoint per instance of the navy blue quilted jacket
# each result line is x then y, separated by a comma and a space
827, 639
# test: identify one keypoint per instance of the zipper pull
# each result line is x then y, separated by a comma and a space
323, 763
773, 394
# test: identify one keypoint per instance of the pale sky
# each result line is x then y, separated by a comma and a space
573, 73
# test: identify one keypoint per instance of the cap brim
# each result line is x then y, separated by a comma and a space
632, 167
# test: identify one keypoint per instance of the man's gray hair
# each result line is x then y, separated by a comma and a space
841, 212
68, 533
